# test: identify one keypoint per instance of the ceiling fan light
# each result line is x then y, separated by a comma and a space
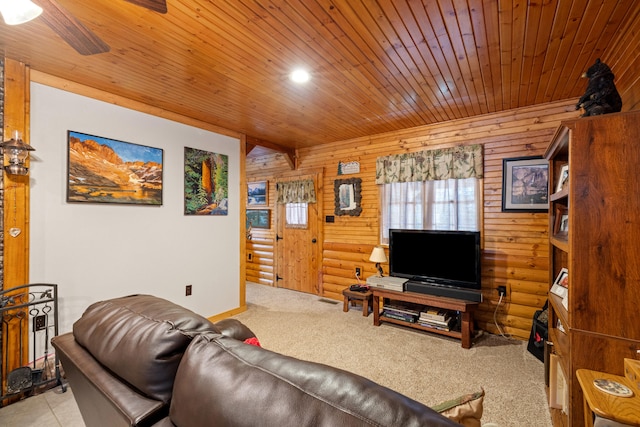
15, 12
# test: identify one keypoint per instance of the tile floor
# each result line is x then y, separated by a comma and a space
49, 409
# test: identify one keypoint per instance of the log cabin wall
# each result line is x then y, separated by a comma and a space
260, 242
515, 245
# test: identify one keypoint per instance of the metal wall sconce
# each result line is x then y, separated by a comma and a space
16, 151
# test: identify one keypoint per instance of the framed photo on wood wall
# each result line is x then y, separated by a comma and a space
258, 193
259, 218
347, 195
525, 184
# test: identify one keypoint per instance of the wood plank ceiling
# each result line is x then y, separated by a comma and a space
376, 65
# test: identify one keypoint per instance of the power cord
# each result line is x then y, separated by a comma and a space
495, 318
358, 278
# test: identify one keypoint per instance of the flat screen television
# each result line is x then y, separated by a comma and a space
435, 258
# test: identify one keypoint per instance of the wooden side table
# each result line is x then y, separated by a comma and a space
625, 410
365, 297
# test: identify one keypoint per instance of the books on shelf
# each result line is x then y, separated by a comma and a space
435, 314
429, 317
398, 316
434, 326
429, 321
401, 312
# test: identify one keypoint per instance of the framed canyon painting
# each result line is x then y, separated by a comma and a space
104, 170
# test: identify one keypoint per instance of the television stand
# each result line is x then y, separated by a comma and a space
466, 309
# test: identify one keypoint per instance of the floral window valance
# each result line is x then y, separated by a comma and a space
296, 192
431, 165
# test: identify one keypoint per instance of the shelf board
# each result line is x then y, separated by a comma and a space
454, 334
561, 243
562, 194
559, 148
558, 308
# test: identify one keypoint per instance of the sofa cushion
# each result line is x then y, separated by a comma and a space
141, 339
225, 382
466, 410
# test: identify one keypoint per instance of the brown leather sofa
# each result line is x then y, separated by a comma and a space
144, 361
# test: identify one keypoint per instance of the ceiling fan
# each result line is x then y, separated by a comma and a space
81, 38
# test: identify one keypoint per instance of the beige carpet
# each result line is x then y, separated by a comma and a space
426, 367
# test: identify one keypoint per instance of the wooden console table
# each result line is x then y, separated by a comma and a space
466, 309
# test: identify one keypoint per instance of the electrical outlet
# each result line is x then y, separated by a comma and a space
502, 290
188, 290
39, 322
358, 271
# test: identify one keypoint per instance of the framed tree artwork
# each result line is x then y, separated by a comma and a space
525, 184
205, 182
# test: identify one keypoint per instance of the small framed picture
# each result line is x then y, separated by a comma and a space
563, 178
348, 196
257, 193
561, 224
258, 218
561, 285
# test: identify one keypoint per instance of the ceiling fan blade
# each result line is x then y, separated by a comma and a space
70, 29
159, 6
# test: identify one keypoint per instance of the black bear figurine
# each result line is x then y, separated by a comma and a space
601, 96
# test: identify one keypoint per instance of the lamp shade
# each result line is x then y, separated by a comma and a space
16, 12
378, 255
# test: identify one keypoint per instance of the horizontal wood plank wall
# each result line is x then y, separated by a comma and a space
515, 245
623, 58
259, 254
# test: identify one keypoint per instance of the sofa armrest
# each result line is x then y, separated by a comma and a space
233, 328
103, 399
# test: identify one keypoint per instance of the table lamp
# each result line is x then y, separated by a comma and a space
378, 256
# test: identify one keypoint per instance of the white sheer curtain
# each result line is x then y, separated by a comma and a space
452, 204
296, 215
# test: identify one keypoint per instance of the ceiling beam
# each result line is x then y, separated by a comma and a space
289, 153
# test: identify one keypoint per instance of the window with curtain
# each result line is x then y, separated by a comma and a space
296, 215
434, 190
296, 195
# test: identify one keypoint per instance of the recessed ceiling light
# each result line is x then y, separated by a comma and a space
300, 76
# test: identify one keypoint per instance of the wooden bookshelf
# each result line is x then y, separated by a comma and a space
600, 249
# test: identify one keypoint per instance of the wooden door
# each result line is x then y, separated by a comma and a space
298, 247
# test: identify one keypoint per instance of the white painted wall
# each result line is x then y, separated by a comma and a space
100, 251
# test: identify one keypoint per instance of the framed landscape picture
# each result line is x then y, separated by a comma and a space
104, 170
258, 218
258, 193
525, 184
